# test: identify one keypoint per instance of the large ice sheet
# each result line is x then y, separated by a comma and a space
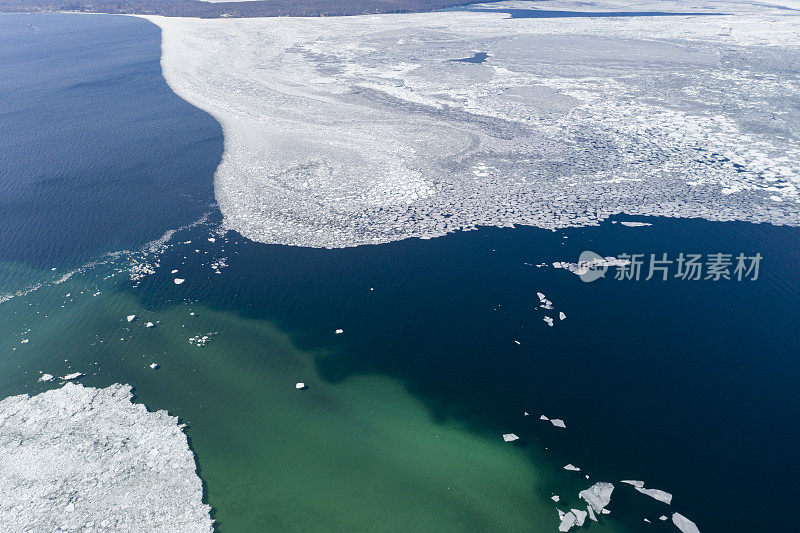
342, 131
79, 458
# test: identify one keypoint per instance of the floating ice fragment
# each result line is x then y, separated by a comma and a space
555, 497
149, 325
339, 331
557, 422
663, 518
684, 524
174, 271
154, 365
591, 513
131, 318
24, 341
300, 385
636, 224
544, 418
47, 377
572, 468
509, 437
541, 296
561, 315
567, 522
211, 239
548, 320
580, 516
656, 494
633, 482
646, 520
598, 495
526, 413
517, 343
74, 375
178, 281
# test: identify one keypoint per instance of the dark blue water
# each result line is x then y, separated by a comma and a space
98, 153
478, 57
688, 385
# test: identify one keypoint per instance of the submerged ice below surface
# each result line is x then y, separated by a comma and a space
342, 131
79, 458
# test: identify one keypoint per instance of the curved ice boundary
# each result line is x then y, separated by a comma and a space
80, 458
341, 131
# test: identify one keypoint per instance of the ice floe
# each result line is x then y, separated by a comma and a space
336, 135
509, 437
73, 456
154, 366
656, 494
299, 385
597, 496
46, 377
178, 281
684, 524
557, 422
572, 468
131, 318
73, 376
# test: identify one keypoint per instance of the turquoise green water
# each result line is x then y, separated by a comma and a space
357, 455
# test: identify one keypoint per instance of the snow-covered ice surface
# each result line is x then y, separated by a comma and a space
342, 131
80, 458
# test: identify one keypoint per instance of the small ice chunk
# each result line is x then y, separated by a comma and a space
149, 325
648, 521
633, 482
684, 524
516, 342
178, 281
561, 315
74, 375
541, 296
509, 437
663, 518
47, 377
580, 516
557, 422
211, 239
544, 418
153, 365
174, 271
572, 468
656, 494
591, 513
568, 521
339, 331
300, 385
632, 224
598, 495
548, 320
555, 498
24, 341
131, 318
526, 413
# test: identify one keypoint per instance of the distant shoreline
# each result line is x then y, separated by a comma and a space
241, 9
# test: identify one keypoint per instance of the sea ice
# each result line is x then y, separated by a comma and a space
548, 320
74, 375
178, 281
336, 135
154, 366
598, 495
77, 456
131, 318
299, 385
572, 468
656, 494
684, 524
557, 422
149, 325
509, 437
339, 331
47, 377
561, 315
